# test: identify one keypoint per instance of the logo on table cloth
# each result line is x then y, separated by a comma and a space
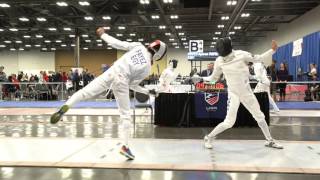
211, 98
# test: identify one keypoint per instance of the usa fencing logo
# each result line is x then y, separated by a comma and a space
211, 98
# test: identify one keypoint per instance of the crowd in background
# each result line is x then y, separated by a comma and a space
75, 79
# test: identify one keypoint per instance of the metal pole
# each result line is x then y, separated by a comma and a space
77, 51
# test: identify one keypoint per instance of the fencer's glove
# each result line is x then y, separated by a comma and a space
196, 79
153, 92
100, 31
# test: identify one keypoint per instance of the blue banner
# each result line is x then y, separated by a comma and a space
211, 105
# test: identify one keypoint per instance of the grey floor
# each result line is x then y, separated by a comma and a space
107, 126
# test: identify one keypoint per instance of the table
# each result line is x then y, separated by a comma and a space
178, 110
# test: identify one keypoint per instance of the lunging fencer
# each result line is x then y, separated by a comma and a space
233, 64
167, 76
126, 73
263, 84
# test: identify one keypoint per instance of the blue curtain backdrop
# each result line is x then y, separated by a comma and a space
310, 54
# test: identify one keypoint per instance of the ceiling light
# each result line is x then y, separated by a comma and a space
186, 47
47, 41
109, 48
174, 17
2, 46
147, 44
52, 29
168, 34
185, 43
7, 41
87, 40
39, 36
237, 27
213, 42
72, 35
255, 0
177, 47
13, 29
12, 49
183, 39
106, 17
23, 19
67, 29
18, 42
215, 38
1, 30
72, 45
63, 45
132, 34
44, 49
171, 39
167, 1
121, 27
88, 18
218, 33
58, 41
85, 48
4, 5
232, 32
99, 40
37, 45
61, 3
84, 3
220, 26
106, 28
224, 18
129, 40
231, 3
245, 14
119, 35
41, 19
53, 49
140, 40
27, 36
27, 45
212, 46
21, 49
85, 35
174, 44
144, 2
178, 27
162, 27
181, 34
155, 16
99, 44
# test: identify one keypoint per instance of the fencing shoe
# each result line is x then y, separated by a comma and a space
272, 144
208, 142
125, 151
56, 117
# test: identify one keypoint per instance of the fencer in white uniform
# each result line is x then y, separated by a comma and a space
234, 65
263, 84
167, 76
126, 73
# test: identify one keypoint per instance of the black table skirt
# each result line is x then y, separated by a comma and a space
177, 110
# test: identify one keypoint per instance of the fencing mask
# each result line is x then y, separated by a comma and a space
174, 63
224, 46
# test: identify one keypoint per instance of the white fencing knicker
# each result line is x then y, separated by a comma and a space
120, 87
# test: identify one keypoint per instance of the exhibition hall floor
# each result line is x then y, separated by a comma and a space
86, 147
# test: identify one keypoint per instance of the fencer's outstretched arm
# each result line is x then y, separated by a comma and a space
136, 87
264, 56
217, 71
116, 43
